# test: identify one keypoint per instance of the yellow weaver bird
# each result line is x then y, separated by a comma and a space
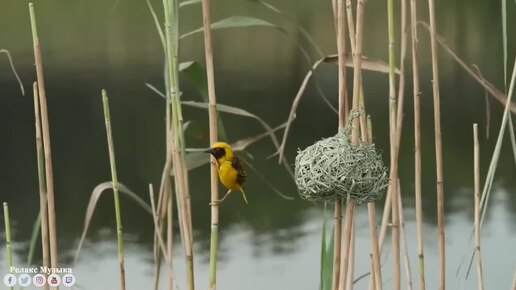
229, 167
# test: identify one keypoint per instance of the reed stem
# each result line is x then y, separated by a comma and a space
337, 236
212, 115
476, 197
404, 247
170, 239
114, 178
438, 149
417, 146
49, 175
351, 267
8, 244
344, 260
43, 208
171, 11
393, 151
376, 274
339, 16
357, 82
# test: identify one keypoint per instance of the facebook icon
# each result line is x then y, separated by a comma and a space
9, 280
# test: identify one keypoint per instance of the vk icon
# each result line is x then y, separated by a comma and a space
9, 280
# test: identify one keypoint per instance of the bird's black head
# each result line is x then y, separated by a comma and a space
217, 152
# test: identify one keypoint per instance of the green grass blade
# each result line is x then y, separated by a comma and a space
156, 22
322, 285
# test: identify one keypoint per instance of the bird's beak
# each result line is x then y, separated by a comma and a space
209, 150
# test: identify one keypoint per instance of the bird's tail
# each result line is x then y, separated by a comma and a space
243, 195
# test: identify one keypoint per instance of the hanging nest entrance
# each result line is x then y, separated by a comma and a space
335, 168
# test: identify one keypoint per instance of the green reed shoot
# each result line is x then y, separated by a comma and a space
114, 178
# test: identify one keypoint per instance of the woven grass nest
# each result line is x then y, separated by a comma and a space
335, 168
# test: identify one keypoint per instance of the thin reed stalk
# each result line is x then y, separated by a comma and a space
401, 82
393, 151
337, 238
171, 11
114, 178
161, 242
346, 240
438, 149
49, 175
357, 82
417, 146
376, 274
404, 246
339, 17
212, 116
43, 208
476, 197
351, 268
8, 245
170, 239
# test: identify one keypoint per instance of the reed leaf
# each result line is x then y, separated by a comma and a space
11, 63
236, 21
188, 3
92, 204
326, 258
196, 74
493, 91
370, 64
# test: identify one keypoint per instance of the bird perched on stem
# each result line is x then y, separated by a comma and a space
230, 170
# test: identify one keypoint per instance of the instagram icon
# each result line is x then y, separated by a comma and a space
39, 280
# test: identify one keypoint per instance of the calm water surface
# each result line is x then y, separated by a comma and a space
272, 243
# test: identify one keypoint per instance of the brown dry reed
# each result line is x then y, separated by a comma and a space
49, 175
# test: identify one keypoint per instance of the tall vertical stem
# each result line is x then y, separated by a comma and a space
114, 178
43, 204
438, 149
8, 244
171, 9
343, 110
476, 174
357, 83
46, 140
212, 115
393, 151
417, 145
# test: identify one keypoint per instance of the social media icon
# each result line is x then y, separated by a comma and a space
10, 280
24, 280
39, 280
68, 280
54, 280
